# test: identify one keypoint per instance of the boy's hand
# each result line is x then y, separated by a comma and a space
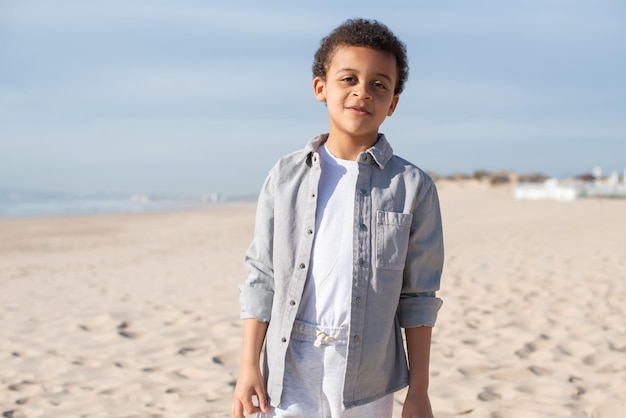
249, 384
417, 405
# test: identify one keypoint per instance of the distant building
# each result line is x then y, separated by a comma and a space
212, 198
567, 190
549, 189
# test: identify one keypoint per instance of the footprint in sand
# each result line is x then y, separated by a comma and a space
540, 371
25, 387
193, 351
488, 394
511, 374
122, 330
515, 413
475, 370
191, 373
227, 358
532, 347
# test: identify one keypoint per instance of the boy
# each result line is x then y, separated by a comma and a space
347, 250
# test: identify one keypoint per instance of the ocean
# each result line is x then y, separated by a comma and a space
24, 204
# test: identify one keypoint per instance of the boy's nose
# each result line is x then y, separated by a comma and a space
361, 91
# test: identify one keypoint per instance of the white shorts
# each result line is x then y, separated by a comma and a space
314, 377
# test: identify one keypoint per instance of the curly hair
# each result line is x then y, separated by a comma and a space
362, 32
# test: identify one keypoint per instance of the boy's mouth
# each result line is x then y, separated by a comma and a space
359, 110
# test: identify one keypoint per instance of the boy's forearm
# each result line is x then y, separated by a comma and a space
418, 350
253, 337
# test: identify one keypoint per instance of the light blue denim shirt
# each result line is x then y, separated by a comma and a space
398, 259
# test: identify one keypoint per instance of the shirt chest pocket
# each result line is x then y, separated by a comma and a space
392, 239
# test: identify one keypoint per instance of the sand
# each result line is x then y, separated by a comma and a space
137, 315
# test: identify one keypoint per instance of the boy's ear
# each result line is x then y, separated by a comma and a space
319, 89
394, 104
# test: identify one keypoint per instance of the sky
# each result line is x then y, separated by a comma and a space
192, 97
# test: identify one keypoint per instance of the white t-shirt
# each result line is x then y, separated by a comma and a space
327, 291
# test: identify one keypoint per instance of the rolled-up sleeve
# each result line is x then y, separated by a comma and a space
418, 305
257, 293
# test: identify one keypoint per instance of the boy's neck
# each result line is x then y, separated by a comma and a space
348, 148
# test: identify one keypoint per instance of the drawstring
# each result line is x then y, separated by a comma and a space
322, 338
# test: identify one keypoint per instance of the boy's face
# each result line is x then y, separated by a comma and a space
358, 91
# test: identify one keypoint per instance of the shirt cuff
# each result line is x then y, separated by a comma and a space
255, 303
417, 311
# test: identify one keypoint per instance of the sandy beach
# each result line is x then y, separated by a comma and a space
137, 315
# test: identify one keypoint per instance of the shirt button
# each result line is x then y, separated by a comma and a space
362, 227
360, 261
292, 302
359, 301
309, 231
302, 265
355, 339
363, 192
284, 340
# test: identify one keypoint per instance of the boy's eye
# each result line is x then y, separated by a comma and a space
349, 79
379, 85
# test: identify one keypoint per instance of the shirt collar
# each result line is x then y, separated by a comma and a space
381, 152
